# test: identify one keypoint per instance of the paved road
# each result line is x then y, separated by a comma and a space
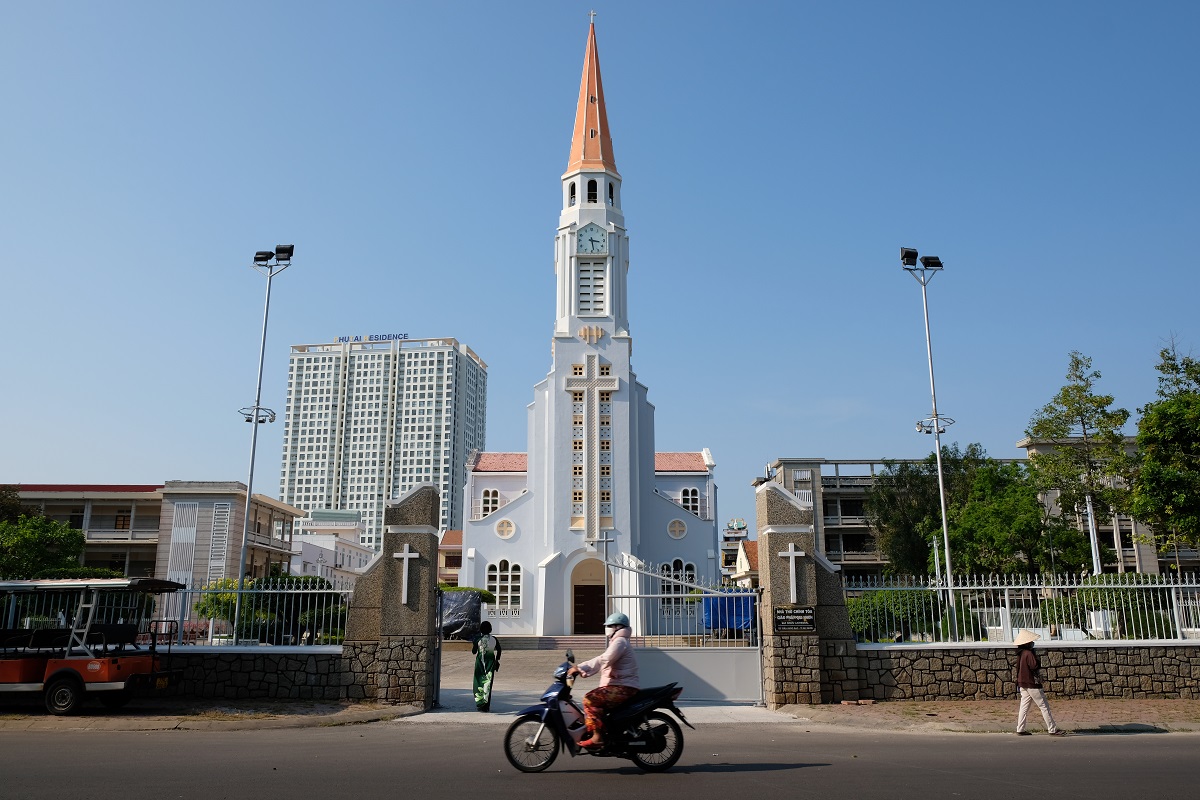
432, 759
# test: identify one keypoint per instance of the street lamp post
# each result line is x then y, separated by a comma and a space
270, 264
934, 423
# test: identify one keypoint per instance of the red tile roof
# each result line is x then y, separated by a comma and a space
451, 540
751, 549
502, 462
87, 487
679, 462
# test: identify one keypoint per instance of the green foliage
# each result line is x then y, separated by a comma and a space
10, 503
1133, 613
217, 604
904, 510
967, 625
1003, 528
277, 606
881, 615
78, 573
34, 544
1083, 448
1165, 489
484, 594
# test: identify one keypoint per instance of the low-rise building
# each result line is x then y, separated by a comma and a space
329, 544
120, 522
185, 531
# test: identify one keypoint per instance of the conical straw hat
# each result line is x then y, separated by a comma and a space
1025, 637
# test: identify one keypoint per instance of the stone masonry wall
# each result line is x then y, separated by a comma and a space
793, 673
405, 671
979, 673
267, 674
396, 670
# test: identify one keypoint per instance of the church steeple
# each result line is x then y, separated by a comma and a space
592, 249
591, 145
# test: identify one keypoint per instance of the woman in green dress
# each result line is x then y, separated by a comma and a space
487, 651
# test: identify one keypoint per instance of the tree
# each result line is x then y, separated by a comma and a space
11, 507
1165, 489
1003, 527
1082, 449
903, 508
34, 545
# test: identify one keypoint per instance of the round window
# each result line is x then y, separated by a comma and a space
505, 528
676, 529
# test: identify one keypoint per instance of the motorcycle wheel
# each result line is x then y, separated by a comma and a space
528, 748
659, 724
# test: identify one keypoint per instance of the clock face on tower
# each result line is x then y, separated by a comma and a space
591, 239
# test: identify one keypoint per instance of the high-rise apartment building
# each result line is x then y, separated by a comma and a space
369, 417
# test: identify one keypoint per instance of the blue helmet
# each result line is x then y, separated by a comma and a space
617, 619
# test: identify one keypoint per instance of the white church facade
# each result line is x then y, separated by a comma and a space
538, 525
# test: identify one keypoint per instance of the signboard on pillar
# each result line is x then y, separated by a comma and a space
794, 619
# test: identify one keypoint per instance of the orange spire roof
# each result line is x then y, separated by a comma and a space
591, 145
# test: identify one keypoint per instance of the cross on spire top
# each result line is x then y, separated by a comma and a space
592, 17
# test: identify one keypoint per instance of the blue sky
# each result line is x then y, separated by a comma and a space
775, 157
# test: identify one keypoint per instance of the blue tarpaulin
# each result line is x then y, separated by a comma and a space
733, 612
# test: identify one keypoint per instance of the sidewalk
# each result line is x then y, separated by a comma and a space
1000, 716
525, 674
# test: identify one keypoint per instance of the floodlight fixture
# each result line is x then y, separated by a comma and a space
908, 257
931, 262
262, 257
283, 252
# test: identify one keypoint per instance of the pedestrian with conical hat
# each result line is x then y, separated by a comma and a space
1029, 684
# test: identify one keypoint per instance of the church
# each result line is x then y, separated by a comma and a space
540, 525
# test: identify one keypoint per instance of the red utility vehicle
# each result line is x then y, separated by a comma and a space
71, 639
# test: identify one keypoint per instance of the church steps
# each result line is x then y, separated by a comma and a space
576, 643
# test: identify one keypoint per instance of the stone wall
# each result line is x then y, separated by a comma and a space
826, 665
987, 672
792, 674
265, 673
397, 670
391, 645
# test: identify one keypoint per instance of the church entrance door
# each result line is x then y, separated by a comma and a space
589, 609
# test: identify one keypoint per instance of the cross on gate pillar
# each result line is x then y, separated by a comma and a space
392, 639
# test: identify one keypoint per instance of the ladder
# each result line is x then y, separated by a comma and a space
81, 625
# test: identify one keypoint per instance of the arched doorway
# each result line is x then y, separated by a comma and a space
587, 597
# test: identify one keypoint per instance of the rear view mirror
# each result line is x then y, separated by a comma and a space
570, 656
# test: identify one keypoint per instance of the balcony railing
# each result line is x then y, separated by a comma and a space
845, 520
854, 555
843, 481
121, 535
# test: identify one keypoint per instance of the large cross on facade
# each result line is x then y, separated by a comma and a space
405, 555
591, 385
792, 554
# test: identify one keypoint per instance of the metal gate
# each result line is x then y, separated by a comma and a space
704, 637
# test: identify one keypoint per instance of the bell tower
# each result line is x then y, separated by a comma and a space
591, 248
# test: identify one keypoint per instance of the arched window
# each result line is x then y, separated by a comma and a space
673, 583
593, 192
690, 500
610, 194
491, 501
571, 194
504, 581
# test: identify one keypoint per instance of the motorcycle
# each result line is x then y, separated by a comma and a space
637, 729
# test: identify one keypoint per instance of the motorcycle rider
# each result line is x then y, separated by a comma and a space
618, 670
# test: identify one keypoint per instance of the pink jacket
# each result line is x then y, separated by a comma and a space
617, 664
